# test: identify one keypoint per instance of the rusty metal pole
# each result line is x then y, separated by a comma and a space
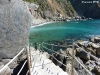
28, 60
72, 71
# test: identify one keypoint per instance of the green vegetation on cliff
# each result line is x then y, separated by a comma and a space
63, 7
67, 8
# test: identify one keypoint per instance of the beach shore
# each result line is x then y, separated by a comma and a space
39, 22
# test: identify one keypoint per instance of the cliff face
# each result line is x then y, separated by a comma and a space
15, 20
87, 9
50, 9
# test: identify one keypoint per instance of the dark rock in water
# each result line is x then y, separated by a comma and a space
15, 20
84, 55
97, 70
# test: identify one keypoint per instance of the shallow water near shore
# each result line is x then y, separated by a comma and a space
77, 30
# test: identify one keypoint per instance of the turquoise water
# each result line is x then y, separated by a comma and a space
65, 30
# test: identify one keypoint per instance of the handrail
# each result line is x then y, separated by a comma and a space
65, 56
95, 58
54, 51
22, 67
83, 66
12, 60
27, 72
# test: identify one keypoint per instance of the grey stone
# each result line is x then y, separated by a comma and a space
90, 65
97, 39
90, 49
97, 70
12, 65
77, 51
95, 45
70, 51
92, 39
15, 20
84, 55
5, 61
6, 71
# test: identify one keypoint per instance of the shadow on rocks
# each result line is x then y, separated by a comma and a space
24, 71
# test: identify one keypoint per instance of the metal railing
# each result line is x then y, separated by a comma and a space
5, 67
30, 56
52, 45
73, 58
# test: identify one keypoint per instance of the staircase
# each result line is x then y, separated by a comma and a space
42, 65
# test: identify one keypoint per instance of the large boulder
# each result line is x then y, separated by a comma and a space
15, 20
84, 55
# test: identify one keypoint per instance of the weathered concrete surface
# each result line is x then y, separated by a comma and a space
15, 20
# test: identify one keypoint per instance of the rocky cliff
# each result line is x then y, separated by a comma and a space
87, 8
15, 20
51, 9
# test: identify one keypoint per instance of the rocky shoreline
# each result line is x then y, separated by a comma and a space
86, 52
38, 19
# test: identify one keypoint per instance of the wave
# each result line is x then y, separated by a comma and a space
92, 35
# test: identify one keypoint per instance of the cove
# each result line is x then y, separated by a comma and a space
77, 30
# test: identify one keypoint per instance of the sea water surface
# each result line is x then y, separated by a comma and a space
77, 30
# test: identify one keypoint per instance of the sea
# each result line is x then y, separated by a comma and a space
73, 30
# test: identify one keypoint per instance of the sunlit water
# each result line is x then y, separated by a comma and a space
65, 30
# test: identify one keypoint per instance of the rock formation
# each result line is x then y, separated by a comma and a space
59, 9
15, 20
